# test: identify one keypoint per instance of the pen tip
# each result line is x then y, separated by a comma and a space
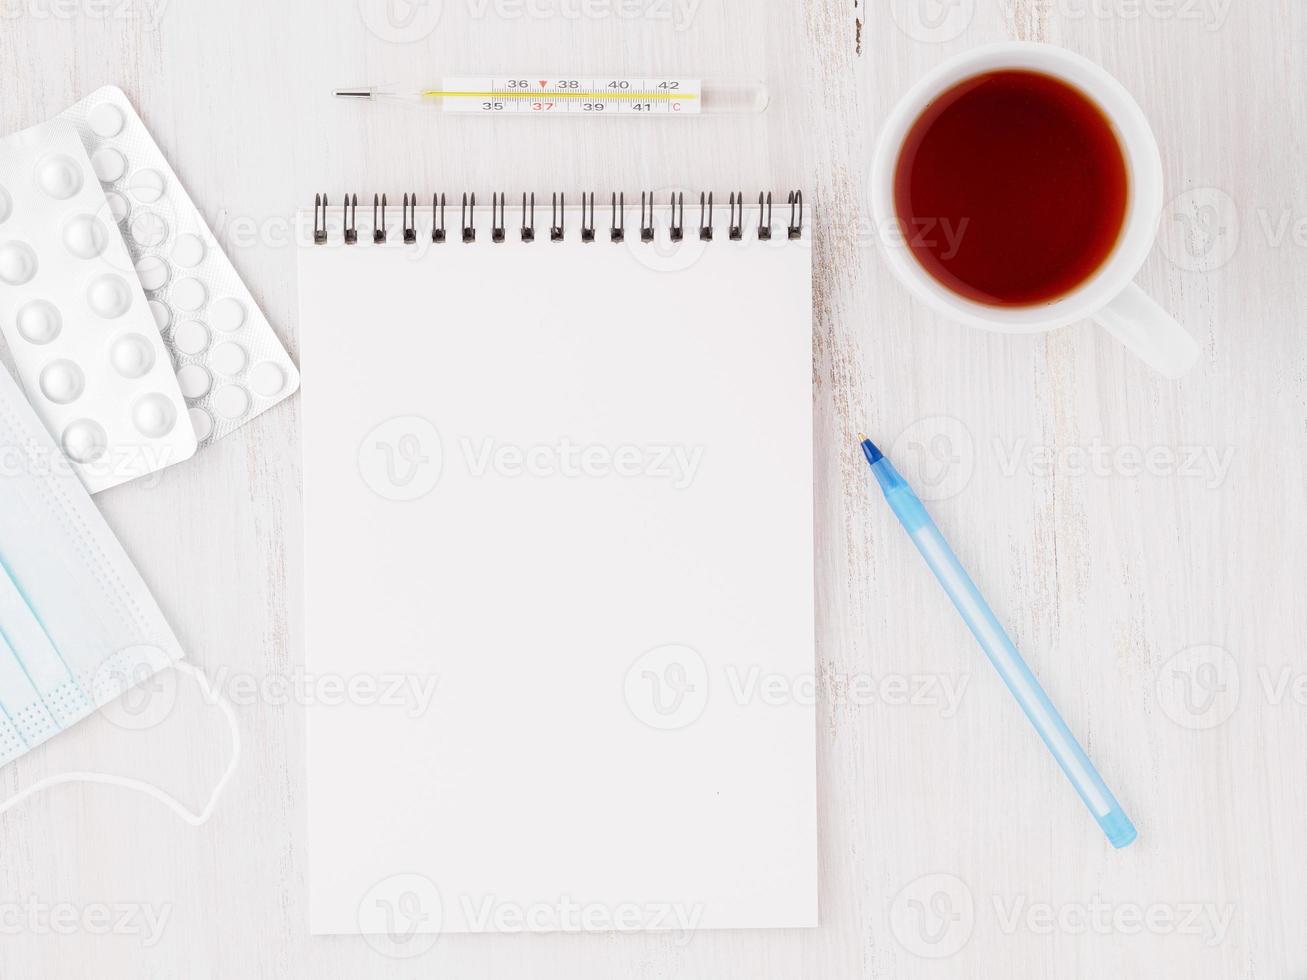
869, 449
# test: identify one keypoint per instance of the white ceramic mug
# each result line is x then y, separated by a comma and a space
1108, 296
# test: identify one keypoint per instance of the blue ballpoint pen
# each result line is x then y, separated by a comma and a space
1000, 650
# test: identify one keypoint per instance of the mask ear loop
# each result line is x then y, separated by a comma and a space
149, 789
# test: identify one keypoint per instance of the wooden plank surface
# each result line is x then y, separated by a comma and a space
1142, 539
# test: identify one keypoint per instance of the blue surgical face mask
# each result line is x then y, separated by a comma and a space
77, 624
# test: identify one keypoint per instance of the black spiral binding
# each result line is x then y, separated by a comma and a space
557, 217
379, 228
469, 219
529, 228
437, 226
410, 219
320, 219
795, 227
497, 217
351, 219
588, 220
677, 225
646, 220
617, 229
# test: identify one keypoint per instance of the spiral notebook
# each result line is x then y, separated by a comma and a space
559, 565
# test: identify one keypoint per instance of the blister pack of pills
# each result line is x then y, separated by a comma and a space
230, 365
76, 319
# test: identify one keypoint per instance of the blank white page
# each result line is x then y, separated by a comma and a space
558, 506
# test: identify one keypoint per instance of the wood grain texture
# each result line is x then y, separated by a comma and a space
1142, 539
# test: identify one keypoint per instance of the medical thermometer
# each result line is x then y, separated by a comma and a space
574, 96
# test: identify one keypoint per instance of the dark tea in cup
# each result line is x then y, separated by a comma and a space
1011, 188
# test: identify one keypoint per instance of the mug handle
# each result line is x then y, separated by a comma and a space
1148, 330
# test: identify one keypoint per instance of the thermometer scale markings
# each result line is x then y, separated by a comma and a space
567, 95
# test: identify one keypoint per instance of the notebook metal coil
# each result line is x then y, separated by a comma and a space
583, 225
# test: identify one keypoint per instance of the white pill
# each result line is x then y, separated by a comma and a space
231, 401
154, 415
189, 294
188, 251
85, 441
132, 355
106, 120
227, 314
152, 271
17, 263
39, 322
267, 379
109, 295
59, 176
194, 381
118, 206
202, 423
146, 185
6, 205
85, 236
228, 358
162, 315
109, 164
148, 229
62, 382
191, 337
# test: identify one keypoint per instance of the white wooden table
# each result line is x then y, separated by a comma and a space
1142, 539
